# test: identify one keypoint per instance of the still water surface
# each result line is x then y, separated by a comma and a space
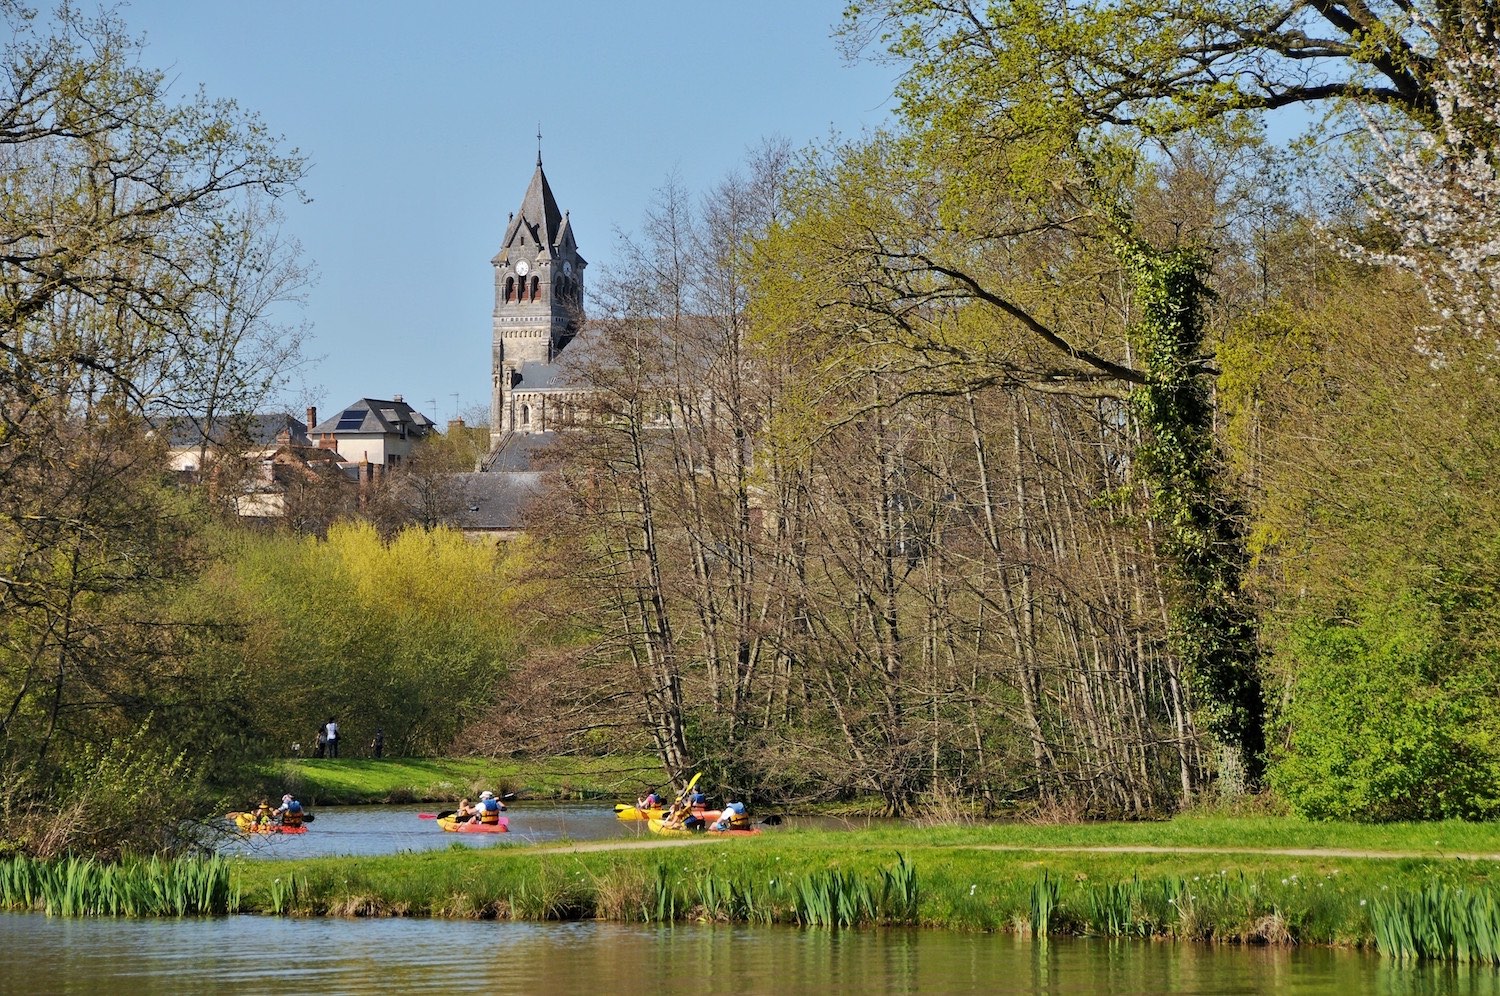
367, 830
250, 954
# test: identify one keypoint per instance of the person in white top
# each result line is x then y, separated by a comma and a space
332, 729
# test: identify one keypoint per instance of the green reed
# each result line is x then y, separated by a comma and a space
899, 895
74, 886
1438, 923
285, 894
1044, 896
835, 898
663, 896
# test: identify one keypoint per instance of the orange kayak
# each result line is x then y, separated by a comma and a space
451, 825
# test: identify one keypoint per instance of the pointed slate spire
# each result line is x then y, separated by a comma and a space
539, 213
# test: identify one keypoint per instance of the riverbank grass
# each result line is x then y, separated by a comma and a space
821, 878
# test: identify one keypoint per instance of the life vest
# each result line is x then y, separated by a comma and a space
489, 811
734, 817
293, 815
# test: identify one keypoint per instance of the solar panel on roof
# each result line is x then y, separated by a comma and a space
352, 418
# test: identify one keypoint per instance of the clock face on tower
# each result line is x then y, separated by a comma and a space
567, 268
523, 268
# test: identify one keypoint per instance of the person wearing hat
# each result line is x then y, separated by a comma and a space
263, 815
489, 808
290, 811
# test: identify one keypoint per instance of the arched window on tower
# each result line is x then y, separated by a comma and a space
525, 414
535, 283
510, 288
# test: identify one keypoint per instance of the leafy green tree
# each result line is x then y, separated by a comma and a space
123, 214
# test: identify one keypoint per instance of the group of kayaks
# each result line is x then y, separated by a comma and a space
656, 818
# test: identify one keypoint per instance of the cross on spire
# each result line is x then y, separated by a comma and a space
538, 143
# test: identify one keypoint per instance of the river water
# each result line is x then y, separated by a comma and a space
254, 954
369, 830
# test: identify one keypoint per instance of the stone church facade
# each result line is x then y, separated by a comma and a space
538, 311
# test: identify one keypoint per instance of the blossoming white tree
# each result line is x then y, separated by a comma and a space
1440, 197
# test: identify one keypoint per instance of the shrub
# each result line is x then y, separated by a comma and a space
1386, 722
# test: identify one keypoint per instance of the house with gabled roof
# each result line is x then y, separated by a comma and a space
373, 432
194, 440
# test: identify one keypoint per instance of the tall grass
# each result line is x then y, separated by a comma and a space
74, 886
1438, 923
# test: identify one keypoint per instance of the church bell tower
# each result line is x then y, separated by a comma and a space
538, 303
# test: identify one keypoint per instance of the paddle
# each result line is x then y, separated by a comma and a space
683, 796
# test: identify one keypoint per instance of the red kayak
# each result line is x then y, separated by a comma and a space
246, 823
451, 825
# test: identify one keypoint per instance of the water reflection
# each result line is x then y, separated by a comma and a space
241, 954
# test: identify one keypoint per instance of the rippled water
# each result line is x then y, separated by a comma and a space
249, 954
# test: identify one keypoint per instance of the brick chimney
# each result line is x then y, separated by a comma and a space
312, 416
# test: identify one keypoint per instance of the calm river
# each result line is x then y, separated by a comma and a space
365, 830
250, 954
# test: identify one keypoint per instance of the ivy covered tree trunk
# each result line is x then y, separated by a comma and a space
1198, 520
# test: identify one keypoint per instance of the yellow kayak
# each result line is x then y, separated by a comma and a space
628, 812
659, 826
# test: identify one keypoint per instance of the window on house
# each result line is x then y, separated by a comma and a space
525, 414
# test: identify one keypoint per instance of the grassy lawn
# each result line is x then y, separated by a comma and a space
362, 780
1252, 832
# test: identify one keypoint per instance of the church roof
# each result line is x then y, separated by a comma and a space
494, 501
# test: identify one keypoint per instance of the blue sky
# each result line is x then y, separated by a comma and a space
420, 122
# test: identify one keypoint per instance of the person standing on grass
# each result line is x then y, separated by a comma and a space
332, 730
377, 746
321, 749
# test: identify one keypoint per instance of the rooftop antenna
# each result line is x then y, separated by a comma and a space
432, 403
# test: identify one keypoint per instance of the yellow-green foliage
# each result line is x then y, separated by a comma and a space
409, 635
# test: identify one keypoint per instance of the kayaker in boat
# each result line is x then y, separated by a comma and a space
699, 800
733, 817
289, 812
464, 812
648, 801
489, 808
263, 816
675, 815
